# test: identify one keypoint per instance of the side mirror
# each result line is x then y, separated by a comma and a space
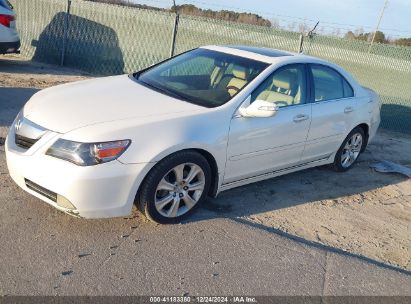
259, 108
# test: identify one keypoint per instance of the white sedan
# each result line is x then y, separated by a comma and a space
205, 121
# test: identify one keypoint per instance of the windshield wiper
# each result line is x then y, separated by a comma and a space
166, 91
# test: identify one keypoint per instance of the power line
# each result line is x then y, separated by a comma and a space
292, 17
285, 18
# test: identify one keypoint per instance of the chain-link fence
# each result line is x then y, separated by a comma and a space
386, 69
99, 38
108, 39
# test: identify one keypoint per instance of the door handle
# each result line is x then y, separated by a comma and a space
300, 117
348, 109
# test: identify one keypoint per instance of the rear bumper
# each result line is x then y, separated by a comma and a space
9, 47
373, 128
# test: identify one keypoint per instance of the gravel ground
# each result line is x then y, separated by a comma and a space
20, 79
362, 212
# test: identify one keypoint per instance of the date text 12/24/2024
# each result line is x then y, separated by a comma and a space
203, 299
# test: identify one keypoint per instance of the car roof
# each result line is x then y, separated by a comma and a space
261, 50
263, 54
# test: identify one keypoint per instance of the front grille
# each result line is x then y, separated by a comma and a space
39, 189
24, 142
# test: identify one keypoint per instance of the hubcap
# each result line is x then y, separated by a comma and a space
351, 150
179, 190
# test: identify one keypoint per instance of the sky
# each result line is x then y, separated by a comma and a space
332, 14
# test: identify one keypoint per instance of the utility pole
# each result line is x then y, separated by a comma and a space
174, 34
65, 31
378, 25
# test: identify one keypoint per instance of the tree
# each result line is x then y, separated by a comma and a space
190, 9
349, 35
363, 36
403, 42
360, 35
379, 37
249, 18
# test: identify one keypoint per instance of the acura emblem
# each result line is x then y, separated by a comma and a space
18, 125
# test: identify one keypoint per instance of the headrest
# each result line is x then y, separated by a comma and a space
283, 80
239, 72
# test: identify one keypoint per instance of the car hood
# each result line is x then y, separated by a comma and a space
70, 106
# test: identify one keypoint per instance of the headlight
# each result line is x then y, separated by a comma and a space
88, 154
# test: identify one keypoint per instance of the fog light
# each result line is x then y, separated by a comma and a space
65, 203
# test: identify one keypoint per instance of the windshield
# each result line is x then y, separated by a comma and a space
204, 77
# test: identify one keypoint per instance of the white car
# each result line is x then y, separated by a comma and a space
9, 38
205, 121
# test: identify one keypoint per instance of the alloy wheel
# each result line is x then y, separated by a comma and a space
351, 150
179, 190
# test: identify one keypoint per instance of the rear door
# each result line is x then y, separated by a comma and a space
333, 112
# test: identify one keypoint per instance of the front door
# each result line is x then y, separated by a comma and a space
261, 145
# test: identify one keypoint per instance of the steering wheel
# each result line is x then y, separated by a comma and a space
233, 88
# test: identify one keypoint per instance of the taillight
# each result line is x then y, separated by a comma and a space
6, 20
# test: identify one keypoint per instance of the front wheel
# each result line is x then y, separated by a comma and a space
175, 187
350, 150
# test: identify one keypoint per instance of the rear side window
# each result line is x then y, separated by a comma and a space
329, 84
348, 91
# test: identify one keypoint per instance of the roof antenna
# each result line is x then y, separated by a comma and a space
310, 34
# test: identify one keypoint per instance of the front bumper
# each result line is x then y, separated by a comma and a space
101, 191
9, 47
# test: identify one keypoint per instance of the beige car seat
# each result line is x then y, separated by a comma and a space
280, 90
238, 81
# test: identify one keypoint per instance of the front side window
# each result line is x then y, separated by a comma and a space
204, 77
285, 87
329, 84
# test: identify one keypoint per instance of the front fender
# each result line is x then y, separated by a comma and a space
153, 138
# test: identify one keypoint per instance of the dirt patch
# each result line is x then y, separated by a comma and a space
16, 72
361, 211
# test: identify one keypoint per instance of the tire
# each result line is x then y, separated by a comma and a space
169, 193
349, 151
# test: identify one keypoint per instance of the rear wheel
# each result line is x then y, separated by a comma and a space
349, 151
175, 187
